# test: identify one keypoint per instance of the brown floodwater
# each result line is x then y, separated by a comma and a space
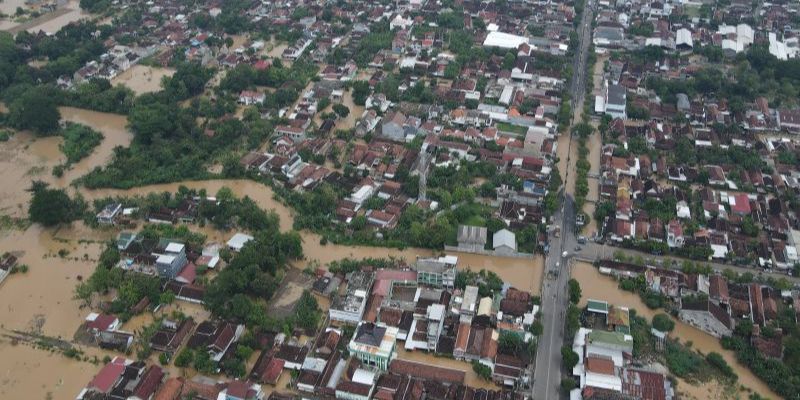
28, 373
595, 285
520, 272
143, 79
27, 157
42, 299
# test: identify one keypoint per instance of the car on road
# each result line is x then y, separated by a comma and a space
564, 254
582, 239
578, 248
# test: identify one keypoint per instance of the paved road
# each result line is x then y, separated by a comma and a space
547, 373
595, 251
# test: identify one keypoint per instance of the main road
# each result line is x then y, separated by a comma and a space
547, 373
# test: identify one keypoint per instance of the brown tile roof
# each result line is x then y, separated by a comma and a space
600, 365
170, 390
424, 371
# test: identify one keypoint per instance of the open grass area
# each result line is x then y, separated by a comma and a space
506, 127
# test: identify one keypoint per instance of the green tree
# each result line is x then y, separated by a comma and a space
341, 110
663, 322
570, 357
574, 291
567, 384
34, 110
185, 357
53, 206
307, 311
481, 370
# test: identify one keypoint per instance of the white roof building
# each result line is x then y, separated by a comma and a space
504, 239
684, 38
174, 247
238, 241
504, 40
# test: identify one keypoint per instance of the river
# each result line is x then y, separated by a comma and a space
595, 285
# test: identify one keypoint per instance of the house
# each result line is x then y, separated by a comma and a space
740, 204
675, 237
349, 308
471, 238
613, 101
249, 97
171, 335
109, 213
469, 301
96, 323
215, 337
106, 379
171, 261
507, 369
437, 272
393, 126
359, 386
374, 344
706, 316
504, 242
237, 241
241, 390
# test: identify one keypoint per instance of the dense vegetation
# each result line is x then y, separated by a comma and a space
252, 276
51, 207
79, 141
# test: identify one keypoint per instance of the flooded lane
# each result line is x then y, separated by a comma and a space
601, 287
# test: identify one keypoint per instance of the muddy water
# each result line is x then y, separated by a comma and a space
143, 79
522, 273
471, 378
26, 157
115, 133
597, 286
41, 299
355, 112
53, 25
273, 49
28, 373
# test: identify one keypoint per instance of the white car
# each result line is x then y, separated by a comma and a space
564, 254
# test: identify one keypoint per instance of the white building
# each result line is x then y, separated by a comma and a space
612, 102
504, 40
238, 241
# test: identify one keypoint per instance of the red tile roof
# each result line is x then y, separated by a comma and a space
105, 379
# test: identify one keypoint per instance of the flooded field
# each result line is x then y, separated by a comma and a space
28, 373
143, 79
59, 19
26, 157
597, 286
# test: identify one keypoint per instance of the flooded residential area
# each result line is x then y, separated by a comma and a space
357, 200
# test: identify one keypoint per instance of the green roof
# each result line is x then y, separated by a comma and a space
597, 306
612, 338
